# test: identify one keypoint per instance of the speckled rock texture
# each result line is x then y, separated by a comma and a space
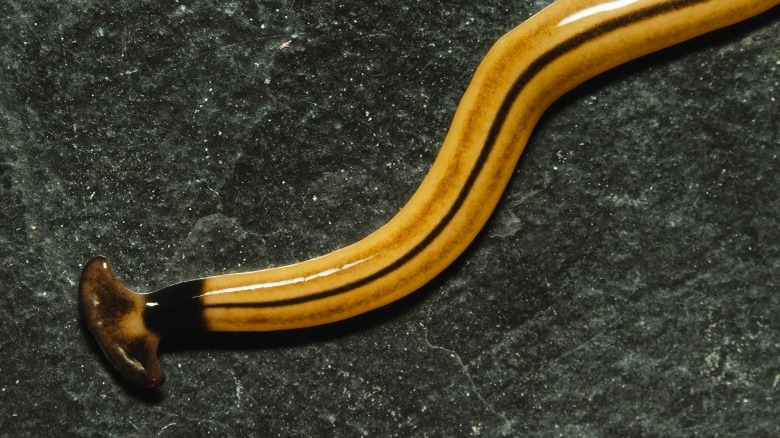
626, 285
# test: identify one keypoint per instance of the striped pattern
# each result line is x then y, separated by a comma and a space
526, 70
497, 124
495, 118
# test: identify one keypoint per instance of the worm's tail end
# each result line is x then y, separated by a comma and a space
114, 314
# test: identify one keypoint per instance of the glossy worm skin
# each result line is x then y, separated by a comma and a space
525, 71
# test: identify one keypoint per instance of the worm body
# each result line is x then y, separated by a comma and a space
525, 71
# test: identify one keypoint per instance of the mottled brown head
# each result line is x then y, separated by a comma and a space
114, 314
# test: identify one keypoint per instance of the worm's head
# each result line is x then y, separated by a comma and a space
114, 314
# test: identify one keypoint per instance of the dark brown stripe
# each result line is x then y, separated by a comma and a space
538, 65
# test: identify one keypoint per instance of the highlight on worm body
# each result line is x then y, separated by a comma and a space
559, 48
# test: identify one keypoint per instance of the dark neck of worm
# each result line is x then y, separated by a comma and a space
175, 309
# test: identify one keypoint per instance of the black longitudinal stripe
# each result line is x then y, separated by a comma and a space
533, 69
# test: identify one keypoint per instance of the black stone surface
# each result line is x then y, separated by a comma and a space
627, 284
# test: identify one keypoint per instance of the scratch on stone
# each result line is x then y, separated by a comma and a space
240, 392
522, 199
165, 427
239, 388
506, 428
68, 279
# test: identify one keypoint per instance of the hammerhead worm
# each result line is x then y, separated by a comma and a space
525, 71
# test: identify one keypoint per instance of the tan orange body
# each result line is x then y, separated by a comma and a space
525, 71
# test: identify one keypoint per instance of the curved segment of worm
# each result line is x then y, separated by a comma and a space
525, 71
